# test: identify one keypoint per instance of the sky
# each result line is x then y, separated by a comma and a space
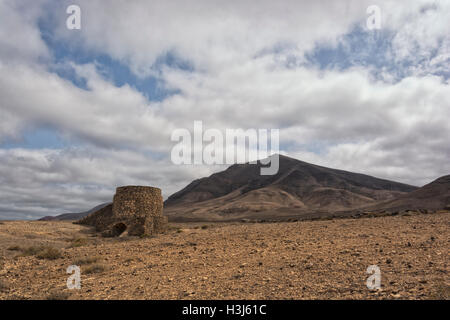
83, 111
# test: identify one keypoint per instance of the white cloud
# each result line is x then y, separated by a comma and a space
104, 115
210, 34
397, 131
20, 39
421, 34
238, 51
39, 182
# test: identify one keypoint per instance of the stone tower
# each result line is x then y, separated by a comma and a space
135, 209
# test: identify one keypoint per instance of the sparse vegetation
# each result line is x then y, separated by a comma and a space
175, 229
49, 253
442, 292
146, 236
58, 295
31, 251
3, 285
204, 227
78, 242
229, 255
95, 268
41, 252
85, 261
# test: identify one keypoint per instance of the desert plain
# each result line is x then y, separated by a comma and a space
322, 259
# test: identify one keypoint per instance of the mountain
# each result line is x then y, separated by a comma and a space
73, 216
299, 188
433, 196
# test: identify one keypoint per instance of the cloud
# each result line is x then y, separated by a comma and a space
213, 35
20, 40
247, 69
104, 115
421, 37
210, 34
393, 131
39, 182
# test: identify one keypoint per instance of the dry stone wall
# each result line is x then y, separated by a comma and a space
135, 209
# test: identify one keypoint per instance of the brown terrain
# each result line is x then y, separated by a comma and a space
299, 190
308, 232
433, 196
323, 259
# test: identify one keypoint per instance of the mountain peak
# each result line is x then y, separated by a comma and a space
241, 190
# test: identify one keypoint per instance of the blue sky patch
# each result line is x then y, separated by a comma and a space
369, 49
152, 87
42, 137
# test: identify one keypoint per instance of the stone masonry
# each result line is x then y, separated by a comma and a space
138, 210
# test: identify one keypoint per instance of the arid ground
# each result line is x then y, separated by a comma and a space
291, 260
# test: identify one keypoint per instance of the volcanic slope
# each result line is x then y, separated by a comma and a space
299, 187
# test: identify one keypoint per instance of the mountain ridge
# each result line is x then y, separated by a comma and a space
75, 215
298, 186
300, 189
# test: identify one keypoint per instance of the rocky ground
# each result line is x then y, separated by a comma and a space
296, 260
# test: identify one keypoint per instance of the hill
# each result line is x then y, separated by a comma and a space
298, 188
74, 216
433, 196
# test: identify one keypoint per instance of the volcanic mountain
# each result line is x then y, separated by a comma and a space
74, 216
433, 196
299, 188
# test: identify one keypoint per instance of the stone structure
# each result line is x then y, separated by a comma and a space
135, 209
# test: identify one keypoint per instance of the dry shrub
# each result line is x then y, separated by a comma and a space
79, 242
31, 251
3, 285
41, 252
442, 292
15, 248
95, 268
49, 253
58, 295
